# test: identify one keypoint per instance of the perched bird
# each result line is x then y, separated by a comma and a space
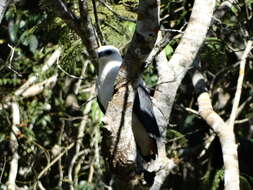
145, 126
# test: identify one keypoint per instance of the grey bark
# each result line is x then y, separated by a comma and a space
119, 140
3, 6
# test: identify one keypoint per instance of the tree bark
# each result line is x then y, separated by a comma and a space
3, 6
118, 136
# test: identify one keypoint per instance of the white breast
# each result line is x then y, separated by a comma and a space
105, 81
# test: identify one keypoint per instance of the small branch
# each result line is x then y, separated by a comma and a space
78, 84
159, 46
52, 59
82, 26
38, 88
88, 34
71, 166
239, 84
11, 183
91, 173
79, 140
2, 169
68, 74
67, 15
9, 62
115, 13
54, 161
100, 34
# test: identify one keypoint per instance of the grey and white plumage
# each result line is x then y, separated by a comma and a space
144, 127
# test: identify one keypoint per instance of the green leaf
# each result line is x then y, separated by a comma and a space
33, 43
130, 26
245, 183
217, 179
24, 38
29, 133
168, 50
2, 137
13, 30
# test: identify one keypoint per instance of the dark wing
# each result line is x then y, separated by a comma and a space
100, 105
143, 108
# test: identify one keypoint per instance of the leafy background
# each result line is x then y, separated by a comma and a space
48, 125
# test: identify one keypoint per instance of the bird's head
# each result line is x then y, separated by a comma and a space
108, 54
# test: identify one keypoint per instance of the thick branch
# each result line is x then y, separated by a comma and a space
83, 26
171, 75
119, 137
224, 132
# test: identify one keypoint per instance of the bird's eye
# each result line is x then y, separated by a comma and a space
108, 52
105, 53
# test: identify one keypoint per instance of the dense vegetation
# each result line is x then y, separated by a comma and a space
68, 136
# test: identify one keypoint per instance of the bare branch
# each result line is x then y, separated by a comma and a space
239, 85
54, 161
11, 183
88, 34
52, 59
39, 87
184, 55
100, 33
224, 132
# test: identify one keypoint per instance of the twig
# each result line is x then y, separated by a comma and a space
70, 169
91, 173
68, 74
54, 161
2, 169
11, 56
41, 186
239, 84
100, 33
78, 84
172, 30
60, 160
80, 136
115, 13
159, 46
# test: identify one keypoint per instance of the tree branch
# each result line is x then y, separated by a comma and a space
118, 136
51, 60
171, 75
239, 85
82, 26
11, 183
224, 132
3, 6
